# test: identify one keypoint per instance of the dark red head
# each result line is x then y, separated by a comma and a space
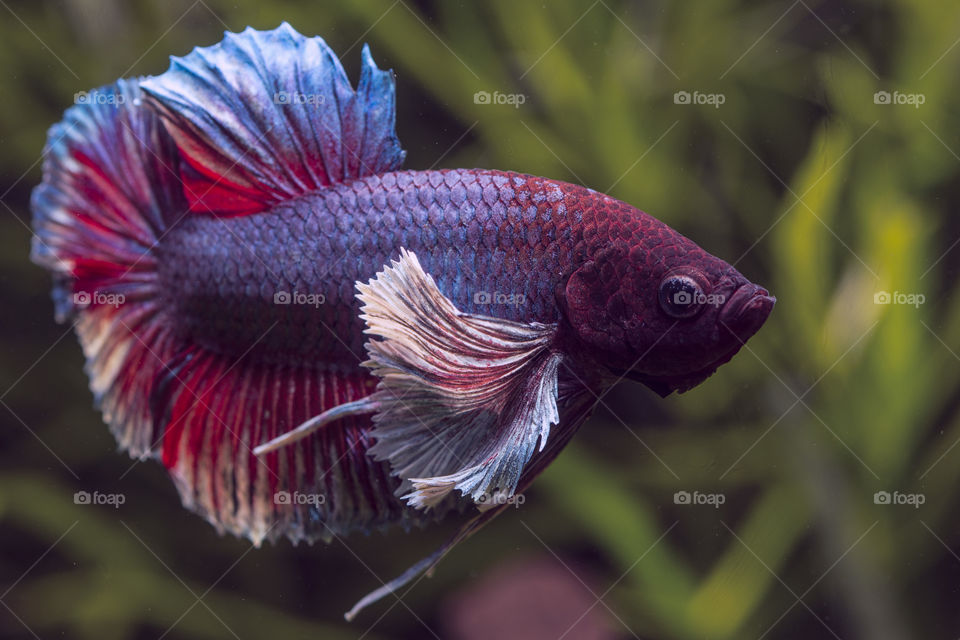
651, 305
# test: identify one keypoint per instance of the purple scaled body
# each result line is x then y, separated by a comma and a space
479, 233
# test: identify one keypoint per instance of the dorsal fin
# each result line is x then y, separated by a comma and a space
264, 116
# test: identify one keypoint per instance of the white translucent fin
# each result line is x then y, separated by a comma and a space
463, 398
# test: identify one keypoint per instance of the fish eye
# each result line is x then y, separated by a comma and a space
680, 296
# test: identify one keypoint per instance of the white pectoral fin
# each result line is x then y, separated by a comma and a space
511, 443
463, 399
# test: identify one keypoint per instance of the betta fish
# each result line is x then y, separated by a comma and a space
314, 341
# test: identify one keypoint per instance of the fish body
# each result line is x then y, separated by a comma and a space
314, 341
495, 242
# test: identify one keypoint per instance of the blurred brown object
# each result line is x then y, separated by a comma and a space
537, 598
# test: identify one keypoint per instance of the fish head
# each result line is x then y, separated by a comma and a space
654, 307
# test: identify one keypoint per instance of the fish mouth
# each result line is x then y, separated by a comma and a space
746, 310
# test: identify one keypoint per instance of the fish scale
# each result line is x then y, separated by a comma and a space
208, 273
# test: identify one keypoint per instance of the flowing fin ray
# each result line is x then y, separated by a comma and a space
264, 116
464, 399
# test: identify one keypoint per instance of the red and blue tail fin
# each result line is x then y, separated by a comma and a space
109, 190
110, 187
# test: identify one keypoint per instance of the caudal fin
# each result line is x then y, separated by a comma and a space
110, 188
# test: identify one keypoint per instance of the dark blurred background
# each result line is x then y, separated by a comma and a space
813, 144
